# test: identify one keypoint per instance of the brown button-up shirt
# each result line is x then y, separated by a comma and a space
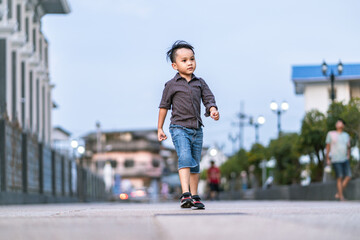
184, 98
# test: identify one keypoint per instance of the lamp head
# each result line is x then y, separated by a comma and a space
340, 67
274, 106
81, 150
261, 120
324, 68
74, 144
284, 106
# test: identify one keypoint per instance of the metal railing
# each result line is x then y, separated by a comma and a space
31, 168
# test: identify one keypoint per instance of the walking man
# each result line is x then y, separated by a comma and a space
338, 153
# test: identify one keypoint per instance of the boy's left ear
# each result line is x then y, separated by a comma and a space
174, 66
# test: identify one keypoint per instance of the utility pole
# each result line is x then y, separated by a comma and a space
98, 137
233, 140
242, 117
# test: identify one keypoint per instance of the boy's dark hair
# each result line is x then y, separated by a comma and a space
342, 120
170, 55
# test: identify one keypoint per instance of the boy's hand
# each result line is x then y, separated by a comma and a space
161, 135
214, 114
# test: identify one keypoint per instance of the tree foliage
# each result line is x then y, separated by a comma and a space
256, 155
288, 148
285, 150
235, 164
312, 141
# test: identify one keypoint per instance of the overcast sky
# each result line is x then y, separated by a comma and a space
108, 58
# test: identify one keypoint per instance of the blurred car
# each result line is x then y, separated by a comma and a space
135, 195
139, 195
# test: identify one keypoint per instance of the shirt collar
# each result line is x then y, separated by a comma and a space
178, 77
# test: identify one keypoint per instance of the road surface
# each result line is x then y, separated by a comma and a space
162, 221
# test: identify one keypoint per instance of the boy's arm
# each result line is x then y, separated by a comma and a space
209, 102
214, 114
162, 115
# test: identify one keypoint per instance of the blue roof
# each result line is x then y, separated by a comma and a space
313, 72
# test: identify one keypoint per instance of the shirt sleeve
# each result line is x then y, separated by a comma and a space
328, 138
166, 99
207, 97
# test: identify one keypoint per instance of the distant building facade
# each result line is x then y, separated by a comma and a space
25, 88
133, 155
61, 141
310, 82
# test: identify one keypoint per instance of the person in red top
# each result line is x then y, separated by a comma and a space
213, 178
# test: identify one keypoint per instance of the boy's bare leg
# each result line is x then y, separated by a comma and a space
194, 182
184, 175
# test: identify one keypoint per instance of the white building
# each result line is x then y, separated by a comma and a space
60, 139
212, 154
25, 88
310, 82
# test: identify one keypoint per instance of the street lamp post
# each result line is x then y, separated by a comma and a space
259, 121
74, 144
284, 106
78, 151
324, 69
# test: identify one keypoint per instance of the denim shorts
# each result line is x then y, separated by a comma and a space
342, 169
188, 145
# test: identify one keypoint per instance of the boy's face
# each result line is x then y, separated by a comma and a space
184, 61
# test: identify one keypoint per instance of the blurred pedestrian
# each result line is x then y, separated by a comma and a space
338, 154
252, 178
213, 178
244, 180
164, 191
183, 94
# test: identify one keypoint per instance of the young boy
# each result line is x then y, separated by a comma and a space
183, 94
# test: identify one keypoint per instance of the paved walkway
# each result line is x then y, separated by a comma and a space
221, 220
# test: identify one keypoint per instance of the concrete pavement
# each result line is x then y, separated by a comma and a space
220, 220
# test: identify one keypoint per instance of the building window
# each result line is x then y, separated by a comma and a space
13, 80
23, 93
43, 114
9, 3
40, 48
129, 163
31, 99
46, 57
34, 39
2, 75
37, 105
355, 90
27, 29
49, 105
18, 16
